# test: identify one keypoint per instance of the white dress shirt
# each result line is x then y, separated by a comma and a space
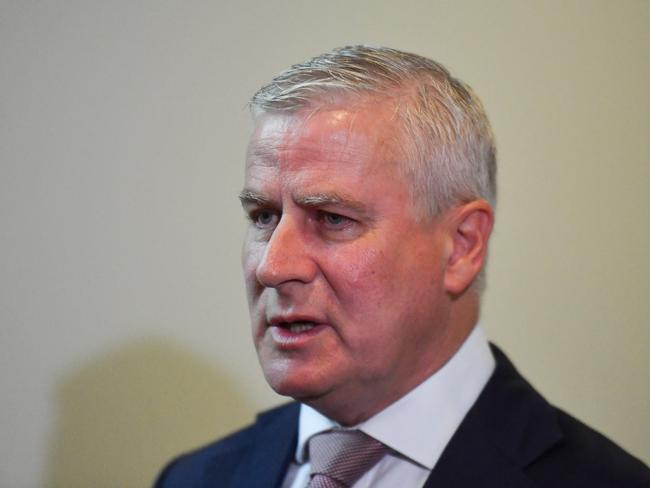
417, 427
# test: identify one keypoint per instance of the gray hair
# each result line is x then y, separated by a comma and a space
447, 142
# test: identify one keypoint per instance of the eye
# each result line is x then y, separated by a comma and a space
264, 219
334, 220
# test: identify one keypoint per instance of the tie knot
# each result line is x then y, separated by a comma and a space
340, 457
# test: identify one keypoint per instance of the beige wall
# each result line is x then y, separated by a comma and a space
123, 330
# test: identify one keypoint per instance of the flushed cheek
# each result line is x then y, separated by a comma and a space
357, 268
368, 275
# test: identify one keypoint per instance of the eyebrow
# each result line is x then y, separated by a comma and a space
335, 199
250, 197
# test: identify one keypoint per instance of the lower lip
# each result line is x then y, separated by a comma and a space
286, 339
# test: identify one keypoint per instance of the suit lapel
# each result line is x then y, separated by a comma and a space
509, 426
267, 456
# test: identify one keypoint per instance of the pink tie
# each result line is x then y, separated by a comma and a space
340, 457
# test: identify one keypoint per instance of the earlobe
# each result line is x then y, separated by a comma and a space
470, 229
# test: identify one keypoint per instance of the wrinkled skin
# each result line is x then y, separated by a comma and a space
335, 247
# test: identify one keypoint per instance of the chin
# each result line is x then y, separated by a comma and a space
294, 384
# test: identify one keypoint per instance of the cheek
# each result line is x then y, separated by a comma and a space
250, 252
355, 266
383, 280
362, 277
250, 258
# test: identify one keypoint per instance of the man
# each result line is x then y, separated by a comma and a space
370, 188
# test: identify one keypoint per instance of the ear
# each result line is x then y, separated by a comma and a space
470, 229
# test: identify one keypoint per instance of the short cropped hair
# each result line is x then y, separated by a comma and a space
444, 134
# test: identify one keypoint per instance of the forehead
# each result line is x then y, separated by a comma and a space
336, 154
354, 133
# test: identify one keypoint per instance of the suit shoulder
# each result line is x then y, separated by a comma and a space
551, 447
187, 470
585, 454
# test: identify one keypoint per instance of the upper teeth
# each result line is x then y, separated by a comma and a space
300, 326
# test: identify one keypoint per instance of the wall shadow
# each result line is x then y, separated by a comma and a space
124, 415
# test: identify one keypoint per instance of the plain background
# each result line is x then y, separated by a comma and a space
124, 334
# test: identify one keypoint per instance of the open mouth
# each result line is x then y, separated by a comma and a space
297, 327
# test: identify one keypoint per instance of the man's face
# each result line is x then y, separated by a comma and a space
344, 282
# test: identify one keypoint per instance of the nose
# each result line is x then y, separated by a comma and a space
287, 256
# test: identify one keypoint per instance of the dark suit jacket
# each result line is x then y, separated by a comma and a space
511, 437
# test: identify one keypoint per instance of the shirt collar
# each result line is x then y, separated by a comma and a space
436, 407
